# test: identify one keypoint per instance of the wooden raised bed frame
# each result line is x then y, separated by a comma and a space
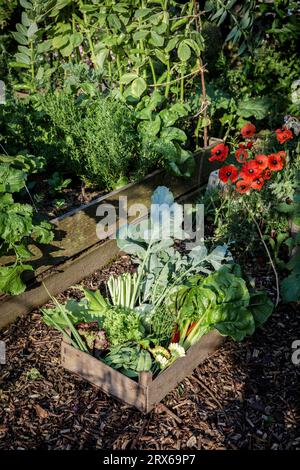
145, 393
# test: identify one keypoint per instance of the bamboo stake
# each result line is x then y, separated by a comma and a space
204, 101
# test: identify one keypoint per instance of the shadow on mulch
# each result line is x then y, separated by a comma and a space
245, 396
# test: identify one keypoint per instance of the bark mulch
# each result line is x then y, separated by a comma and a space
245, 396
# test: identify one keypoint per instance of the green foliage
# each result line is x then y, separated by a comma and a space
161, 137
98, 137
160, 266
247, 24
133, 48
222, 301
290, 286
17, 225
257, 87
7, 8
57, 183
129, 359
122, 325
29, 37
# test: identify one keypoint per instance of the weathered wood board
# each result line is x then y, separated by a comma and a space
76, 251
147, 392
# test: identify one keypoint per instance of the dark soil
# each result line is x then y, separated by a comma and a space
50, 204
245, 396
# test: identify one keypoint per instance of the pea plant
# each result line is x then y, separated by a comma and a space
139, 49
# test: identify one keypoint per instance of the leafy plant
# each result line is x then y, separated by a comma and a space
160, 266
57, 183
247, 24
17, 226
122, 325
133, 48
129, 359
161, 136
99, 140
290, 286
220, 300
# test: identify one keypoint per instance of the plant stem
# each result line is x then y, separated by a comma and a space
120, 72
168, 79
153, 71
182, 83
268, 252
140, 275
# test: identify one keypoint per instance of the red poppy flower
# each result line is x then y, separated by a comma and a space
243, 186
248, 130
282, 155
283, 135
219, 153
275, 162
241, 154
262, 161
250, 145
257, 183
229, 172
250, 170
267, 174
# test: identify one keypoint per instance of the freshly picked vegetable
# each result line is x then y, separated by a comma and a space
222, 301
122, 325
129, 358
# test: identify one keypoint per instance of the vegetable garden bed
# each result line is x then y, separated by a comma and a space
76, 251
145, 393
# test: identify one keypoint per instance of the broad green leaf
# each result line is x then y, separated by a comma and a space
33, 28
128, 78
140, 35
259, 108
162, 56
141, 12
60, 41
156, 39
67, 50
172, 44
138, 87
150, 128
261, 307
25, 20
11, 179
26, 4
290, 288
10, 279
23, 58
42, 233
20, 38
76, 39
184, 51
173, 133
96, 302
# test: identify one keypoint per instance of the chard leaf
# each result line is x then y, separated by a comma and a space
261, 307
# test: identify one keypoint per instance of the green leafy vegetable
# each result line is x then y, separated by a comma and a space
129, 359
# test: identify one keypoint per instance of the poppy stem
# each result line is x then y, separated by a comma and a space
268, 252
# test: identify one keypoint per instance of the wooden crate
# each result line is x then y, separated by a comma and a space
145, 393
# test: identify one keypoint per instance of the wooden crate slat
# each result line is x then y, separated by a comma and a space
108, 379
183, 367
146, 393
